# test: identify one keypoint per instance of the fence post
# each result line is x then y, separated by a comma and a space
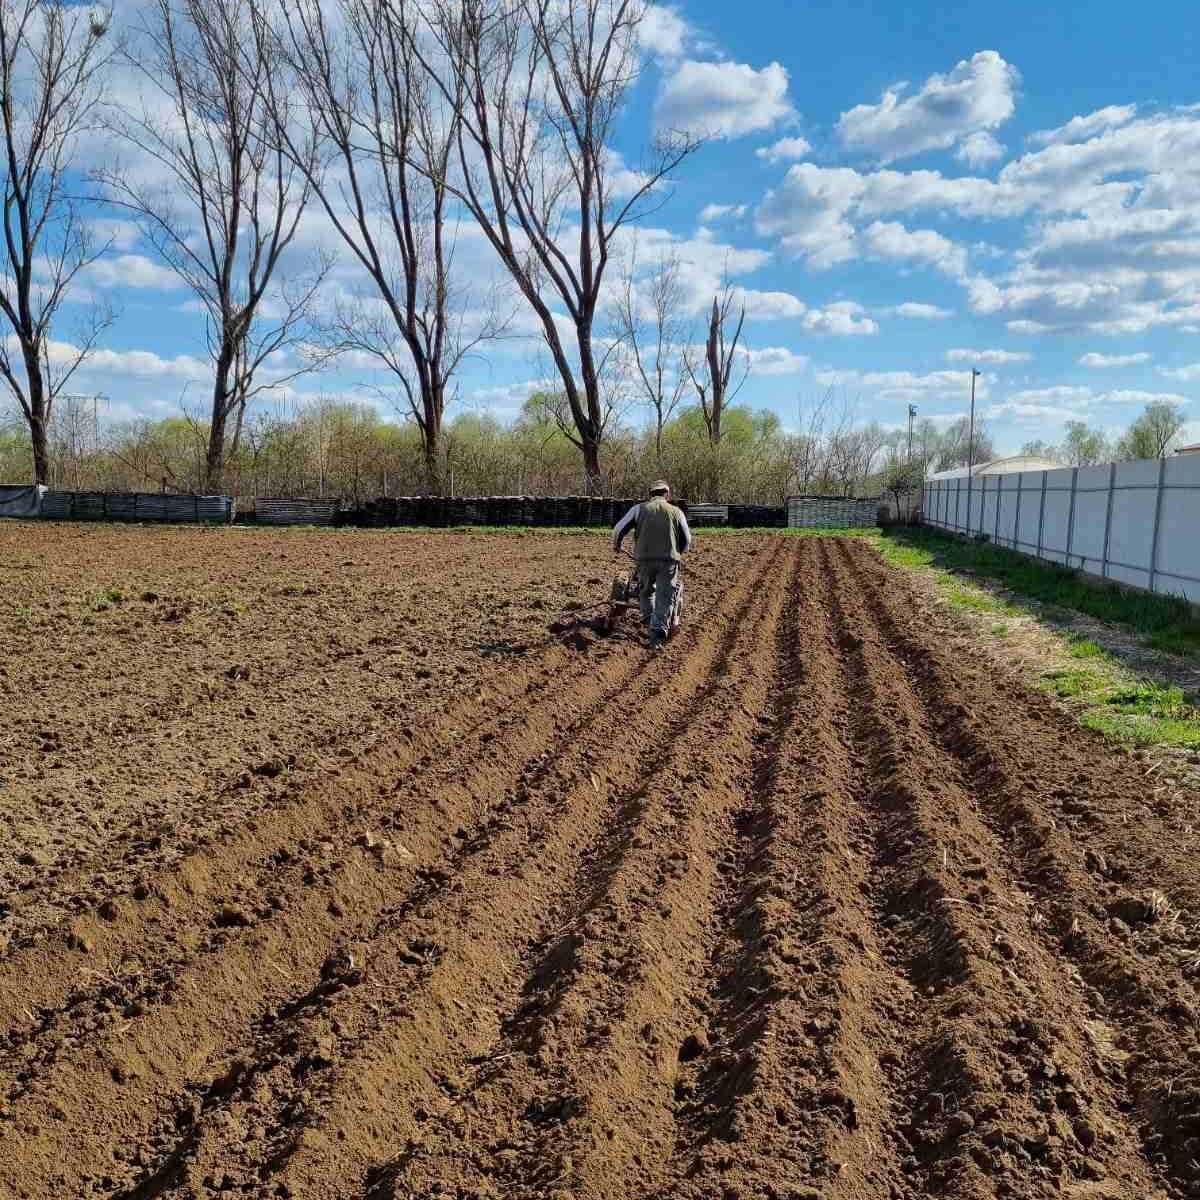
1158, 507
1112, 491
999, 502
1016, 537
1042, 514
1071, 514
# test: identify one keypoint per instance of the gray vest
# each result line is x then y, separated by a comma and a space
658, 530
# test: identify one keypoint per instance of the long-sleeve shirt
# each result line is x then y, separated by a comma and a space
680, 538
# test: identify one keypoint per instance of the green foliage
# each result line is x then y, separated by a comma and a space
1153, 433
1164, 622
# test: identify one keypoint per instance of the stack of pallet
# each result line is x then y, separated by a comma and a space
831, 512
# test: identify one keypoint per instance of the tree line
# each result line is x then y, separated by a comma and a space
396, 121
1154, 434
329, 448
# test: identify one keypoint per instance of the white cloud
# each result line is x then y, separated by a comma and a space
770, 306
1079, 129
990, 358
1100, 362
142, 364
1181, 374
716, 212
131, 271
892, 241
1066, 402
663, 32
976, 95
919, 312
724, 99
979, 149
843, 318
905, 386
774, 360
788, 149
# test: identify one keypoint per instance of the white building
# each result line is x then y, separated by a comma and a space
1013, 465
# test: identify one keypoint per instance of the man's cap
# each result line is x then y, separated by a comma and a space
659, 485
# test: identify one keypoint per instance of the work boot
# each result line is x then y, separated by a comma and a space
658, 639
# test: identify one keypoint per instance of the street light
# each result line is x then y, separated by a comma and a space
975, 373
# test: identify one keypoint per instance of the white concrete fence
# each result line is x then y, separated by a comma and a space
1135, 523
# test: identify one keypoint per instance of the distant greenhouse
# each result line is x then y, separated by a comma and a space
1000, 466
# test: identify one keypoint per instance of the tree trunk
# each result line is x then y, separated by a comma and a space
214, 458
41, 450
39, 413
591, 464
431, 438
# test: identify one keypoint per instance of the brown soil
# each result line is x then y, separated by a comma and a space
813, 903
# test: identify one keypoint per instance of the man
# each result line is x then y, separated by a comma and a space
662, 537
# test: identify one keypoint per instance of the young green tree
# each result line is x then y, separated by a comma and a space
1152, 434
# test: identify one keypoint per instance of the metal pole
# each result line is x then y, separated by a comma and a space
971, 451
1158, 507
1016, 537
1112, 491
1042, 514
1071, 514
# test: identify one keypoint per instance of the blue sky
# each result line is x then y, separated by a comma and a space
899, 192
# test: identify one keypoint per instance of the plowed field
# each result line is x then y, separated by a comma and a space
813, 903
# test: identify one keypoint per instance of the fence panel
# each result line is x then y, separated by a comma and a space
831, 512
1134, 523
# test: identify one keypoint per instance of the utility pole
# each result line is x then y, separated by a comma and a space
971, 447
912, 412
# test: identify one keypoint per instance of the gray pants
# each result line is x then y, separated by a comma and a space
660, 586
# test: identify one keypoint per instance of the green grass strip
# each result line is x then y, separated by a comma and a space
1163, 622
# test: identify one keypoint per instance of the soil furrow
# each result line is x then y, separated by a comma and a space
1128, 978
291, 1111
577, 1090
1044, 1106
128, 1069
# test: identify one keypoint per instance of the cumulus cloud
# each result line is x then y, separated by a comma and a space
716, 212
843, 318
788, 149
919, 312
979, 150
1113, 246
663, 32
723, 99
977, 95
1186, 374
991, 358
1067, 402
774, 360
131, 271
903, 386
142, 364
924, 247
1079, 129
1100, 362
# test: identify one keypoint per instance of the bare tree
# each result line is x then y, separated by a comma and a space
651, 330
713, 378
539, 85
217, 198
52, 60
385, 138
